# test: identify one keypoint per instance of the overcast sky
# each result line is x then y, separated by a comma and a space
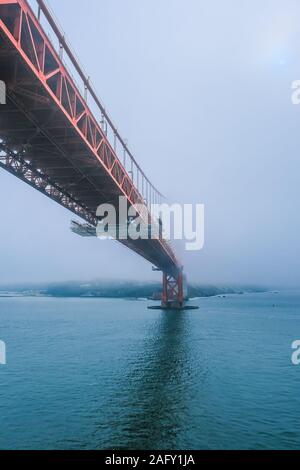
202, 91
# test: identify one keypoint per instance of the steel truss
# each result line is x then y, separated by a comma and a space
16, 164
77, 143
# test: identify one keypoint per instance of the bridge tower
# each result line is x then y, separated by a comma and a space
56, 135
172, 296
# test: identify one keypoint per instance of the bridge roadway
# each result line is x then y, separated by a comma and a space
51, 139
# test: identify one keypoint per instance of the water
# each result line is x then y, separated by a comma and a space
103, 374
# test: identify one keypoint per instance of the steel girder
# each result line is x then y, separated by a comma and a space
173, 296
48, 83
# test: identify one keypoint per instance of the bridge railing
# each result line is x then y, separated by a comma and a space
143, 184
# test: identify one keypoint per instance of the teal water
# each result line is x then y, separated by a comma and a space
102, 374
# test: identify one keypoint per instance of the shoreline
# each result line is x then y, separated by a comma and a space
13, 295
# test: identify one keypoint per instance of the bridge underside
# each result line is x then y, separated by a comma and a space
50, 139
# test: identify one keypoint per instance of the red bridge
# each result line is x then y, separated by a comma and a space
59, 139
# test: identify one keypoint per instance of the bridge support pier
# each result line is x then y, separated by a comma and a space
174, 293
173, 296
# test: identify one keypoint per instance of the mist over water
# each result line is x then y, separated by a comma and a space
103, 374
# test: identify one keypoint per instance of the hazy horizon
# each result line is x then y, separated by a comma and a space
202, 92
25, 284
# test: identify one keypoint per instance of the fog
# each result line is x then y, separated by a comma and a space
202, 91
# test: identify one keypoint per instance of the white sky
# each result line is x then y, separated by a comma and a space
201, 89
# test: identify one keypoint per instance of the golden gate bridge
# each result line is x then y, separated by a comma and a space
58, 137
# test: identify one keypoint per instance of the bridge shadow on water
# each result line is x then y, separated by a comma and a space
151, 406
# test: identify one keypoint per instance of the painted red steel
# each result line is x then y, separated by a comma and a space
173, 290
87, 84
26, 37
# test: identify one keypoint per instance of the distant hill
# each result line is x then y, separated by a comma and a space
116, 289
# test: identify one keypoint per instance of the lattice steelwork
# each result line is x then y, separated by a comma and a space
50, 138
